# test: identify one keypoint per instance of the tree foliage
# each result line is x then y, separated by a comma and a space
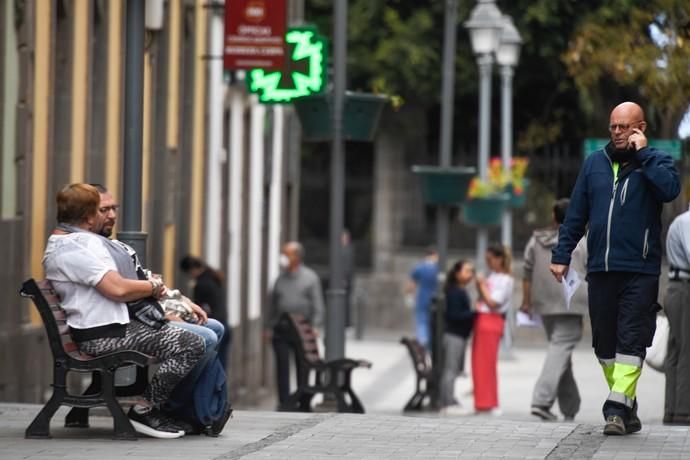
645, 47
576, 61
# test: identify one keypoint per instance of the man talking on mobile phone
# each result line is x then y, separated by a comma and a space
618, 197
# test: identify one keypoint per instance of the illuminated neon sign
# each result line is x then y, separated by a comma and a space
304, 72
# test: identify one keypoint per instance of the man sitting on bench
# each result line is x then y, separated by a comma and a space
86, 276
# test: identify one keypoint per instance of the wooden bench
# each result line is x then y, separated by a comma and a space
330, 378
67, 358
426, 381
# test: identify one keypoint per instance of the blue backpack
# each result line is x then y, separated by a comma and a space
201, 397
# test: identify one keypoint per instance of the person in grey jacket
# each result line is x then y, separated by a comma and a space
296, 290
543, 295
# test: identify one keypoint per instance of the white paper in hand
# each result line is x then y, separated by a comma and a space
571, 281
525, 320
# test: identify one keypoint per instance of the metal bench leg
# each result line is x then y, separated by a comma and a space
78, 417
40, 427
121, 424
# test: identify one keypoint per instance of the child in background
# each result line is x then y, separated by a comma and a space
459, 318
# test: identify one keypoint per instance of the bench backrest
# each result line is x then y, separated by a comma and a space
47, 303
420, 357
304, 337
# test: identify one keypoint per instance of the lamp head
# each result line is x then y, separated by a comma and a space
485, 24
508, 52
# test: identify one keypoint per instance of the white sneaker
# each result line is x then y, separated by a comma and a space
496, 412
456, 410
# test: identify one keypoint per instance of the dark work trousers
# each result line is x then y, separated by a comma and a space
677, 307
283, 347
622, 308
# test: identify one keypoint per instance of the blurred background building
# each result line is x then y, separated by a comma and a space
223, 174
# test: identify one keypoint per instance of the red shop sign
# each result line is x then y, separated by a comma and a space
254, 34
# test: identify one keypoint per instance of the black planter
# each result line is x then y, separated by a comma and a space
361, 116
444, 185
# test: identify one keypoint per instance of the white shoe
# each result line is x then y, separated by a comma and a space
456, 410
496, 412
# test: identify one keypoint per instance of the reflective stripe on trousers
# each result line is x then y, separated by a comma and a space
622, 374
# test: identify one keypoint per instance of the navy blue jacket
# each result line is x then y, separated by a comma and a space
624, 215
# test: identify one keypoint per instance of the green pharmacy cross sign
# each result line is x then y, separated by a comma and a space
304, 72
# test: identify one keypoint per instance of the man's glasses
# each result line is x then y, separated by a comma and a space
106, 209
622, 126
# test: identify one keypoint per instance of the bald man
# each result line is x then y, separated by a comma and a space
618, 197
296, 290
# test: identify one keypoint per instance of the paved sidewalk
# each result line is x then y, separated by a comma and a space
385, 433
270, 435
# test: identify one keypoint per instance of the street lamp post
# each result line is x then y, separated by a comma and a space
507, 57
485, 25
335, 317
133, 133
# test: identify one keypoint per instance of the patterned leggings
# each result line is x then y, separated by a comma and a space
177, 349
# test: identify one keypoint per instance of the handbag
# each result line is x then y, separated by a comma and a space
147, 311
173, 302
656, 352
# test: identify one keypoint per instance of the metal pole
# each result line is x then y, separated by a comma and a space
507, 144
134, 113
443, 211
447, 105
335, 318
485, 62
507, 224
214, 181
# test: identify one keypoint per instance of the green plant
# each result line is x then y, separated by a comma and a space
498, 179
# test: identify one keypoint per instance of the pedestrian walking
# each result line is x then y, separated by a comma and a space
423, 279
493, 304
543, 296
676, 303
459, 318
618, 196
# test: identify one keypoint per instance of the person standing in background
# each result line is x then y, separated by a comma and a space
347, 252
209, 294
677, 307
495, 292
543, 296
459, 318
296, 290
423, 279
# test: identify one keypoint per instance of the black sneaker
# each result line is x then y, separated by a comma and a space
217, 427
614, 426
543, 413
634, 423
153, 423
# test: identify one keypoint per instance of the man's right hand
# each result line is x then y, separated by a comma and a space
558, 271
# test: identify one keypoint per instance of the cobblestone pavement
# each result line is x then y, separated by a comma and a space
271, 435
383, 433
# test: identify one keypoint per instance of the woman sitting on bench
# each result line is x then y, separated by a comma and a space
94, 296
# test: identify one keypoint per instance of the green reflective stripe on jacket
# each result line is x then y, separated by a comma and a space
625, 378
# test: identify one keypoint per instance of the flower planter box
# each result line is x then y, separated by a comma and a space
517, 201
443, 186
361, 115
484, 212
